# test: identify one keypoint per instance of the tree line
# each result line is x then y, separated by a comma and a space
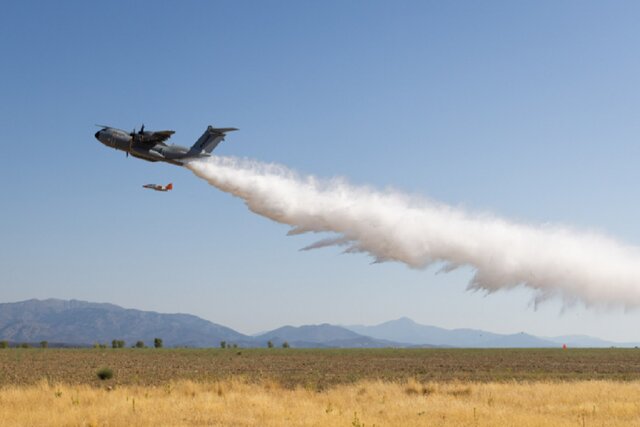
157, 343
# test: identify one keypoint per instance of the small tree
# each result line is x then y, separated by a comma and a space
157, 342
105, 373
139, 344
223, 344
24, 345
270, 344
44, 344
285, 344
4, 344
117, 344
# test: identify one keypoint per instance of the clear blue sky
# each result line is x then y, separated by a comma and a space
528, 110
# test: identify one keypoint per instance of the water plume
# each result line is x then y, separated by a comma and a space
552, 260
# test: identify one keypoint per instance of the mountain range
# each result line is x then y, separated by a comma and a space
84, 323
407, 331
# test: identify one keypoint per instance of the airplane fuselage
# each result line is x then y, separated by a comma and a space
158, 152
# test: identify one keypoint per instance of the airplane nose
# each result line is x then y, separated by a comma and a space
97, 135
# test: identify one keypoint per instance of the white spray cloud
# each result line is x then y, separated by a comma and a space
391, 226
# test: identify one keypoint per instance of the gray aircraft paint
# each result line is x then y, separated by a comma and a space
151, 146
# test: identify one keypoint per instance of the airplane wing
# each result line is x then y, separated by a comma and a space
161, 135
152, 138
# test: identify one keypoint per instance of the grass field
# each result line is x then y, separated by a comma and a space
273, 387
315, 369
364, 403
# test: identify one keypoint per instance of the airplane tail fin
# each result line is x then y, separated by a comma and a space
170, 186
209, 140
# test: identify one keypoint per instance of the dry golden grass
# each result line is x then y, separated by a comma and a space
237, 402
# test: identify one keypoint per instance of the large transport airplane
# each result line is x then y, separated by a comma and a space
152, 146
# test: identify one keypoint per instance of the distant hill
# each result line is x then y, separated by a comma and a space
324, 335
82, 323
408, 331
520, 340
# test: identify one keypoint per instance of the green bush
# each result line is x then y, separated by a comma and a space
157, 342
105, 373
117, 344
4, 344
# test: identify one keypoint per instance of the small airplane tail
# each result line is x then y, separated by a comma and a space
209, 140
169, 186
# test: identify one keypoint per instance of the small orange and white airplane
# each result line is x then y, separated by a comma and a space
158, 187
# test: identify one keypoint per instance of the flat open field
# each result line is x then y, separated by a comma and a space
276, 387
365, 403
315, 369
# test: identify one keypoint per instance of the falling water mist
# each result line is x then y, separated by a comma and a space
391, 226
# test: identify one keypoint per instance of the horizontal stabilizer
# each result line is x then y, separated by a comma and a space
222, 130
